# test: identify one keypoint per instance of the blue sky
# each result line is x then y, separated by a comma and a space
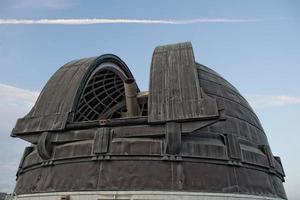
254, 44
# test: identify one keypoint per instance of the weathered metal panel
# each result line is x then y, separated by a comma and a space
138, 131
74, 135
269, 155
253, 155
76, 177
173, 138
26, 152
30, 182
173, 96
40, 123
73, 150
32, 159
234, 149
278, 187
278, 166
216, 79
254, 181
204, 147
208, 177
134, 175
136, 146
101, 141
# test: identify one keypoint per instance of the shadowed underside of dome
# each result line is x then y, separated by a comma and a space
91, 129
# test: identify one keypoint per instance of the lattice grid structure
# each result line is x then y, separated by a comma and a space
102, 97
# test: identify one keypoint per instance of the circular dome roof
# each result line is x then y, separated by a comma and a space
194, 132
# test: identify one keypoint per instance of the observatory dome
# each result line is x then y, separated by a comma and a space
94, 135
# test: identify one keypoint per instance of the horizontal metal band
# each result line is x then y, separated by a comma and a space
141, 195
168, 158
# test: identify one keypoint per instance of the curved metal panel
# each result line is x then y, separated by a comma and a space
181, 149
58, 99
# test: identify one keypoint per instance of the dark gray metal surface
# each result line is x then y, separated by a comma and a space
175, 92
60, 99
222, 148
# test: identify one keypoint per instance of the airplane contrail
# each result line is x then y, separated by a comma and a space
125, 21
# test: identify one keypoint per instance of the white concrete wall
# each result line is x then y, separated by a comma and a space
139, 195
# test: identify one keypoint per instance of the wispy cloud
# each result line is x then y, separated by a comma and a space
262, 101
14, 103
126, 21
13, 95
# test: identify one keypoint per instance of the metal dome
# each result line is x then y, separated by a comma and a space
91, 130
